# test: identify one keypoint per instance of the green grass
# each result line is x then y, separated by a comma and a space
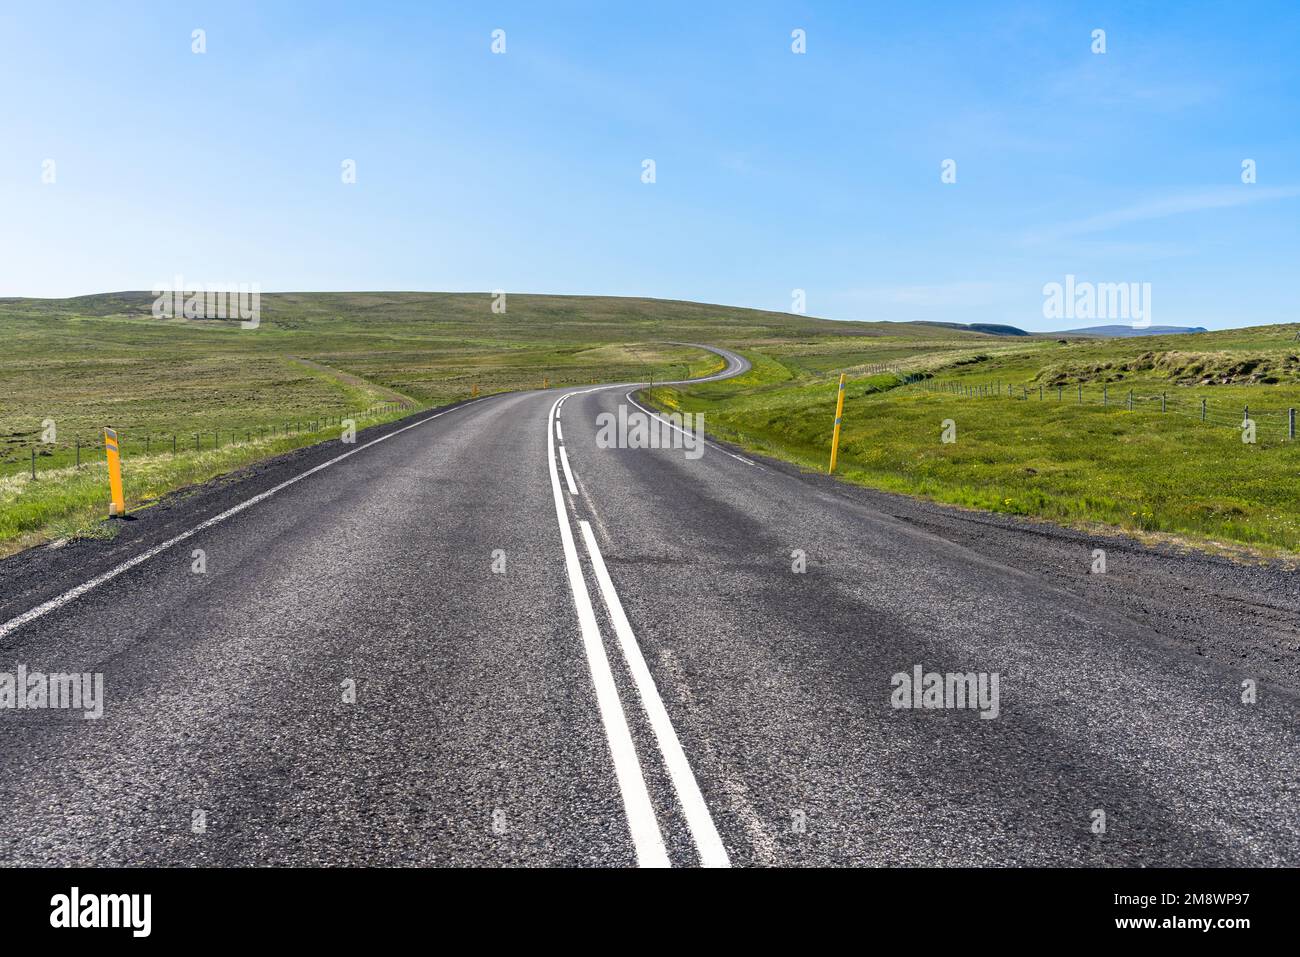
65, 502
98, 361
1142, 471
103, 360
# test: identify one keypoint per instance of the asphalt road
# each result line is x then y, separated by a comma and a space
613, 656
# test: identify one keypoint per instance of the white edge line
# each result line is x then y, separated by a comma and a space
73, 594
568, 474
641, 820
707, 842
559, 433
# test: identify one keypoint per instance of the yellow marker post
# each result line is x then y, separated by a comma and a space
544, 382
839, 416
473, 392
118, 505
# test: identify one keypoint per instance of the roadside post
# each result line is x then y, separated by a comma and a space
117, 505
839, 416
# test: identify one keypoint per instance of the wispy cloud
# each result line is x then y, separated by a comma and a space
1161, 85
1217, 198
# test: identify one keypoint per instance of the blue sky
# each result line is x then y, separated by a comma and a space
774, 171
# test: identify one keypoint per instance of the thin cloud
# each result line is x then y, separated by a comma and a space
1221, 198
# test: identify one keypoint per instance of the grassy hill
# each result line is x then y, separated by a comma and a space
223, 396
1043, 423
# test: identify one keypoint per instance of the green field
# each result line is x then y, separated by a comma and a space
223, 397
1026, 443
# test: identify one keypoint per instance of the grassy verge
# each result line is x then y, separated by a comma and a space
69, 502
1141, 471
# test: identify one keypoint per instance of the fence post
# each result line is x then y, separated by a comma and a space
79, 446
1080, 393
1290, 426
1162, 401
1202, 410
1130, 400
1060, 390
173, 443
1040, 393
1105, 395
33, 462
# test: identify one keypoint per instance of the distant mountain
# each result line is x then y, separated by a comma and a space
988, 328
1118, 331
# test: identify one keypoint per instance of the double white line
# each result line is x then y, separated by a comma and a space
641, 819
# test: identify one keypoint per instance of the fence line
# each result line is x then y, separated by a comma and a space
80, 452
1195, 407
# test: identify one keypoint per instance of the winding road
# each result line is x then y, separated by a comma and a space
478, 637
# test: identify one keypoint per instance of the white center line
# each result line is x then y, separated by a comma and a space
707, 842
568, 473
641, 820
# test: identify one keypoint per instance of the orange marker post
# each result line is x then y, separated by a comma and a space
117, 506
839, 416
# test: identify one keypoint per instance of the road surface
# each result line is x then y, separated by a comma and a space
455, 644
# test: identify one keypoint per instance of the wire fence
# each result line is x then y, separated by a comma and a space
1274, 423
80, 451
